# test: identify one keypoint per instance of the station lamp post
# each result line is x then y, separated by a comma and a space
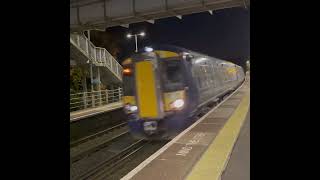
136, 38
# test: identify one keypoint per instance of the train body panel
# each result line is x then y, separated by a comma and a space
165, 88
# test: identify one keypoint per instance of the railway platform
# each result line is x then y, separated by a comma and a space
77, 115
238, 167
215, 147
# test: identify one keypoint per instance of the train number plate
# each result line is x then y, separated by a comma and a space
150, 126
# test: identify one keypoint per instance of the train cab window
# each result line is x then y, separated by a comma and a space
172, 75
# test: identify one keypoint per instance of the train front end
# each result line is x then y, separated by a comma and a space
155, 94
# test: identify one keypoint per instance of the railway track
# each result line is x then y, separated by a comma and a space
91, 125
109, 165
102, 155
90, 144
113, 155
82, 140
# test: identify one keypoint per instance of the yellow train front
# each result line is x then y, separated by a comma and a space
162, 90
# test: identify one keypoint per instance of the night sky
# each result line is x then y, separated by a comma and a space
225, 34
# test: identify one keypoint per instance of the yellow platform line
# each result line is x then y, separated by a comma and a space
214, 160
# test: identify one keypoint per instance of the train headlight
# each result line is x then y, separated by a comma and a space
133, 108
130, 108
178, 103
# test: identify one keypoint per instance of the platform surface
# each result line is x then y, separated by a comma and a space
238, 167
77, 115
202, 150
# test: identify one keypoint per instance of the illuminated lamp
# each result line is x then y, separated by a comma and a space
127, 71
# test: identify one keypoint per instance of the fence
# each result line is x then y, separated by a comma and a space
85, 100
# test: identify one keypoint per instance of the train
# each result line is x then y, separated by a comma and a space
165, 87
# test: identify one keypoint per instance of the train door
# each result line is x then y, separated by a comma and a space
173, 83
148, 88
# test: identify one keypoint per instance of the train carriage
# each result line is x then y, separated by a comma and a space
165, 86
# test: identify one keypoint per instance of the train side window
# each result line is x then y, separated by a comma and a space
195, 74
197, 81
208, 78
200, 73
226, 75
204, 75
213, 75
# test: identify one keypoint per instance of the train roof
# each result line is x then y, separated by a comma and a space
176, 49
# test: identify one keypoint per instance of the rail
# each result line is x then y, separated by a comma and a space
85, 100
87, 138
99, 56
102, 169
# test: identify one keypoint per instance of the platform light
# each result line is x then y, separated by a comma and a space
142, 34
136, 38
129, 36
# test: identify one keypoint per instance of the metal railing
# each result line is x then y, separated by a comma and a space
99, 56
85, 100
